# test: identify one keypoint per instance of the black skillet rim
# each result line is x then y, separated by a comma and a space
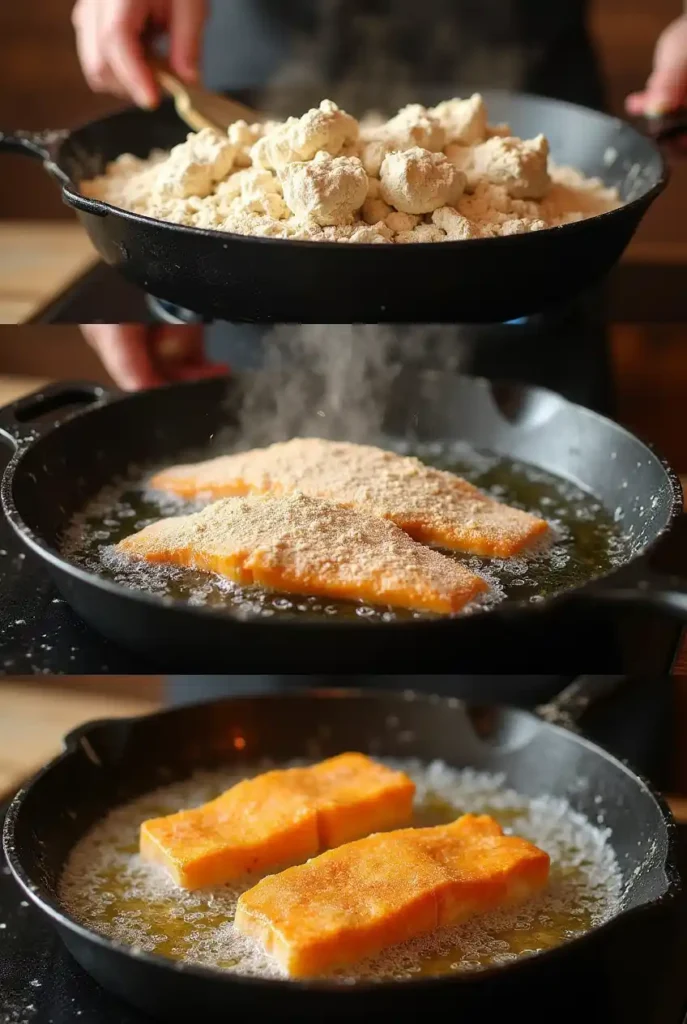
52, 909
79, 201
510, 609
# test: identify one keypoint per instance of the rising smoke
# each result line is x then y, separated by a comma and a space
337, 380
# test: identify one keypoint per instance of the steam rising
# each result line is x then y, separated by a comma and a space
337, 380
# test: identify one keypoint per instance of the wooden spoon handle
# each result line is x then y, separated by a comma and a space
199, 107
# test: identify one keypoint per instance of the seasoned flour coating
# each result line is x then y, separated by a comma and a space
429, 174
357, 900
278, 818
302, 545
432, 505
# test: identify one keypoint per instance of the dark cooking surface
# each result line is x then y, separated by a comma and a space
41, 984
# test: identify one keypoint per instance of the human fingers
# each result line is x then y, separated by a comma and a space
126, 352
666, 88
179, 353
125, 27
187, 20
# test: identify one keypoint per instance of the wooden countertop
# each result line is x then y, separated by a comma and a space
13, 387
34, 718
40, 259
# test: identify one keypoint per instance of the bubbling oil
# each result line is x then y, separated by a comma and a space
587, 541
107, 887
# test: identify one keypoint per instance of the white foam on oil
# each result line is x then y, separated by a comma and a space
108, 887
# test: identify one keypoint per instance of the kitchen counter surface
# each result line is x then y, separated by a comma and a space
33, 720
38, 260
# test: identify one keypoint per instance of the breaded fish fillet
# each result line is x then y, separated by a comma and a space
431, 505
301, 545
278, 818
355, 901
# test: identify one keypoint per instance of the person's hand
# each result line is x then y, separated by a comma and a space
138, 356
666, 89
110, 40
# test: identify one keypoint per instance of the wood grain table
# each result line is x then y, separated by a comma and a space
39, 260
34, 718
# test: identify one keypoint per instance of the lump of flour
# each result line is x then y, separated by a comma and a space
324, 129
518, 164
417, 181
463, 121
328, 190
428, 174
195, 166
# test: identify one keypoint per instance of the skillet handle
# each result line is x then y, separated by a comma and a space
669, 131
570, 705
86, 735
42, 146
45, 146
652, 591
20, 424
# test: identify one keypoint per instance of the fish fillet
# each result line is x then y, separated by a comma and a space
431, 505
354, 902
301, 545
280, 817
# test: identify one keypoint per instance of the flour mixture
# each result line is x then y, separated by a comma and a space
434, 174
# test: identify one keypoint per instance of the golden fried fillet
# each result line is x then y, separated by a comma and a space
431, 505
280, 817
301, 545
355, 901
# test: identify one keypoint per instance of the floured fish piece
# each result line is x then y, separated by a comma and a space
432, 505
353, 902
278, 818
302, 545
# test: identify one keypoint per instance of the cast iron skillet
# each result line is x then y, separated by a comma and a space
248, 279
66, 458
110, 762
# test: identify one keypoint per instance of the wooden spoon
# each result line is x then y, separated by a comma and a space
199, 107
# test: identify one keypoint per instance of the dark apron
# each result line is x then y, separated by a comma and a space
384, 53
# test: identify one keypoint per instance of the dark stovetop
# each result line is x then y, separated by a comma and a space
41, 984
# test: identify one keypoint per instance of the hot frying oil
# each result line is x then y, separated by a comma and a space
107, 887
587, 542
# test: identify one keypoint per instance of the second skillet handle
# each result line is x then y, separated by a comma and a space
569, 706
669, 131
652, 591
20, 423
